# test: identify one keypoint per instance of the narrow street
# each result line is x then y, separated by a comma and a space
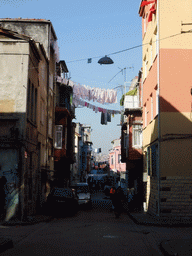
89, 232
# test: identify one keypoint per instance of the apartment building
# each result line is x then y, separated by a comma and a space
167, 99
28, 60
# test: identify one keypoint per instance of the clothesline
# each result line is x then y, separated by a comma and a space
84, 92
79, 102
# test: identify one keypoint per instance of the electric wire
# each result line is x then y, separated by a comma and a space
131, 48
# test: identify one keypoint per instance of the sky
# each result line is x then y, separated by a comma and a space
92, 29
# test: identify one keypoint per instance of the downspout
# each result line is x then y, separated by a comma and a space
158, 88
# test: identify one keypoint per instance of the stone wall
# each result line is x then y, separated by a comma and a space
175, 196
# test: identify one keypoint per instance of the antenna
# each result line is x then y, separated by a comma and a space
122, 73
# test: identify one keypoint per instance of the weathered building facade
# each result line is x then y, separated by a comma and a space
28, 57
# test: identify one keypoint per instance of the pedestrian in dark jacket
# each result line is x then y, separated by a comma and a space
118, 200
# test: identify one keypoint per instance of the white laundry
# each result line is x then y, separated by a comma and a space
96, 94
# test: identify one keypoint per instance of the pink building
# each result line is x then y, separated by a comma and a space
115, 163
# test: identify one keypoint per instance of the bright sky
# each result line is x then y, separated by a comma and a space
91, 29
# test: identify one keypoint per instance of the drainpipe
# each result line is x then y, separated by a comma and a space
159, 128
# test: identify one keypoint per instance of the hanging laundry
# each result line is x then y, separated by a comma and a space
78, 102
103, 118
108, 117
100, 109
96, 94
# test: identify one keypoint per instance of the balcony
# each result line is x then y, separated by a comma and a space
64, 103
131, 104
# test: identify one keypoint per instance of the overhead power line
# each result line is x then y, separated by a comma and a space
131, 48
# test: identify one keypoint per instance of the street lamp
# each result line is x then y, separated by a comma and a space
105, 60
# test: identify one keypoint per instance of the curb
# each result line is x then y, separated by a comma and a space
29, 221
5, 244
180, 247
151, 221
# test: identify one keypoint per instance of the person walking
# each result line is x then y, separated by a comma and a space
118, 200
112, 193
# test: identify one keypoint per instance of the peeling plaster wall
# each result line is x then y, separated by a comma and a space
13, 76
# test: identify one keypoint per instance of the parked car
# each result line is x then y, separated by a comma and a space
83, 193
62, 201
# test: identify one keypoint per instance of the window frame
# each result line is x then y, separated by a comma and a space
56, 136
137, 128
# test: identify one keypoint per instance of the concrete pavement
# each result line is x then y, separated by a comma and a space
178, 238
9, 227
181, 246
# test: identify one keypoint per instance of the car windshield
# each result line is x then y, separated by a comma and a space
62, 192
82, 189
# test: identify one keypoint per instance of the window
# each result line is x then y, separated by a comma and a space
137, 135
42, 107
29, 100
58, 136
35, 106
152, 157
111, 160
119, 158
32, 102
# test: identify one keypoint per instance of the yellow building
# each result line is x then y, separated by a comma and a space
167, 106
